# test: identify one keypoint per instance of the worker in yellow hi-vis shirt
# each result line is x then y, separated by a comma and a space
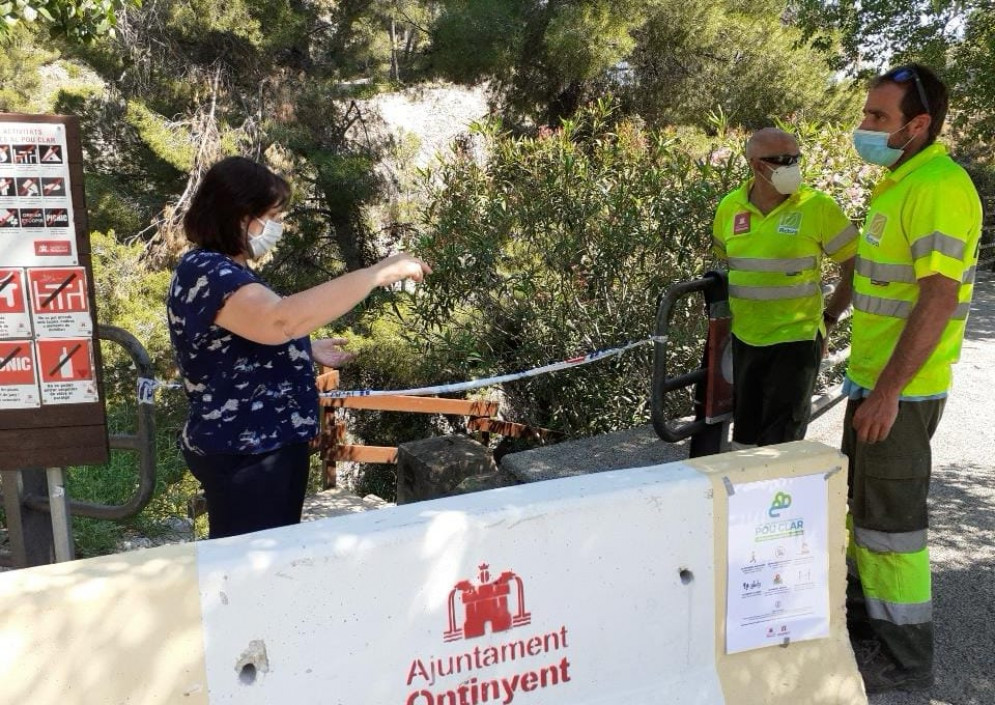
773, 232
913, 285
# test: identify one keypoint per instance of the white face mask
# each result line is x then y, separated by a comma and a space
786, 179
265, 241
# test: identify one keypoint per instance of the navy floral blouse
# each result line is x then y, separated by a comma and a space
245, 397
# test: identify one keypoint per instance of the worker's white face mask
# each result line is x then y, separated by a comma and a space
786, 179
266, 240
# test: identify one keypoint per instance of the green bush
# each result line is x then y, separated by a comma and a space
131, 297
562, 243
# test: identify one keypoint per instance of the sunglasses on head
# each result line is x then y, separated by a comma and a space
782, 159
910, 74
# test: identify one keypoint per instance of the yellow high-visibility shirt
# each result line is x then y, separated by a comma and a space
924, 219
775, 262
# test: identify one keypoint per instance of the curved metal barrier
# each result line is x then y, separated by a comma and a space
705, 433
142, 442
715, 290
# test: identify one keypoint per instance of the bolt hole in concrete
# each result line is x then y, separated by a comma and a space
252, 661
686, 576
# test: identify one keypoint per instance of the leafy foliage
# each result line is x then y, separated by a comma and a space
77, 20
671, 61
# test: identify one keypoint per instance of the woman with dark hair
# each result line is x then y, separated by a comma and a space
244, 352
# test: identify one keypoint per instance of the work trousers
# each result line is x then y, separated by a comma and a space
773, 387
247, 493
889, 590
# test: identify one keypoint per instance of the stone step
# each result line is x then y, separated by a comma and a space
337, 502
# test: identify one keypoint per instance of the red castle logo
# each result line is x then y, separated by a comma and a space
486, 602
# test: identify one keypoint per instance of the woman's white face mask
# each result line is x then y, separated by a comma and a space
266, 240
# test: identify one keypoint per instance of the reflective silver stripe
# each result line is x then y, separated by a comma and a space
969, 275
913, 613
938, 242
883, 542
848, 235
882, 307
875, 271
718, 244
895, 308
756, 264
772, 293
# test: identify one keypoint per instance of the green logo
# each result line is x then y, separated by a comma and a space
790, 223
782, 500
875, 229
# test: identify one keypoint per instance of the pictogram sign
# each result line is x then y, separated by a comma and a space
46, 299
18, 375
65, 370
59, 303
15, 319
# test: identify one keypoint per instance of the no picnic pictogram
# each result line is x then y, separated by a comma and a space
17, 363
486, 603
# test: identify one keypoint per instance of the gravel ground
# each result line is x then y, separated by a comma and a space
962, 517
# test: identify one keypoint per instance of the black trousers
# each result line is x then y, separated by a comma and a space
773, 388
248, 493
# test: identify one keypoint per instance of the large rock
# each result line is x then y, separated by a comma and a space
435, 467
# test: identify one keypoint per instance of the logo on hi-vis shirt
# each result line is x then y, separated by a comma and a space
790, 223
875, 229
741, 223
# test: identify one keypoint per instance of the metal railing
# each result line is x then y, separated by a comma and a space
141, 442
713, 287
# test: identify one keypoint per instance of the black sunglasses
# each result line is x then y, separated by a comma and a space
903, 75
782, 159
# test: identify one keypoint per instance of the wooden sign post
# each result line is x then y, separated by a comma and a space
51, 401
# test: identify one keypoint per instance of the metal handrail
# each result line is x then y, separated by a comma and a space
142, 442
674, 431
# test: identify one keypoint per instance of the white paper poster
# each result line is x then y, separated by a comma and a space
778, 589
36, 210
